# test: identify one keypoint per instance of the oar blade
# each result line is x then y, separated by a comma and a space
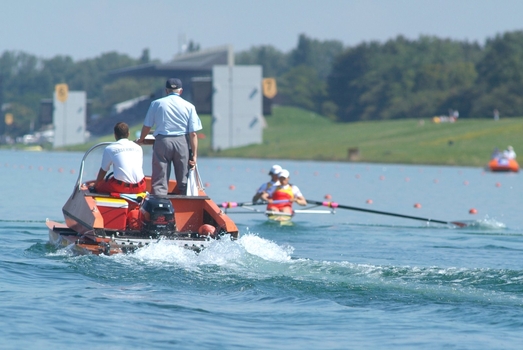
461, 223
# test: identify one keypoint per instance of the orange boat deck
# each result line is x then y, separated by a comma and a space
86, 211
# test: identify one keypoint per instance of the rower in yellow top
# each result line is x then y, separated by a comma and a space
273, 173
281, 197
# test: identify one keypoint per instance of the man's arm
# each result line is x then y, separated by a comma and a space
144, 133
256, 197
193, 142
301, 200
100, 177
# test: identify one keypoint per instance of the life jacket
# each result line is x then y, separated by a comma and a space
281, 193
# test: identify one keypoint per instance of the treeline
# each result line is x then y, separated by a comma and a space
400, 78
25, 80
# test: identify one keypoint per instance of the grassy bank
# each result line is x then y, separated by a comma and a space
292, 133
296, 134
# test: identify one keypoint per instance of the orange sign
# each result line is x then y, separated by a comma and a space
9, 119
61, 90
269, 87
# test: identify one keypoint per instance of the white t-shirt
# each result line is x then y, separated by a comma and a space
264, 187
509, 154
126, 157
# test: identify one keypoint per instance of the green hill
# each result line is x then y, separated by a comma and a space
293, 133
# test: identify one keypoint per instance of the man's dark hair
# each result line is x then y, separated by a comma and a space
121, 130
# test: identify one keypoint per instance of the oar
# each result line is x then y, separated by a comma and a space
336, 205
247, 204
241, 204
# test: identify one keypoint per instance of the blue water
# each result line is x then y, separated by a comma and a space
348, 280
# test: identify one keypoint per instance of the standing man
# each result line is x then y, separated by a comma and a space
176, 123
126, 157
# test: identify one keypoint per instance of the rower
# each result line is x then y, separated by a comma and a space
273, 173
281, 197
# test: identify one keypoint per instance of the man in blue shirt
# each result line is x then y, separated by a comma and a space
175, 135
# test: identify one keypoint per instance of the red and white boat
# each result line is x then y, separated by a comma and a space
97, 223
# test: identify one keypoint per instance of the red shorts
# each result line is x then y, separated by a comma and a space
113, 185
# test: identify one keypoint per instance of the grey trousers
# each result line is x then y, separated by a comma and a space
169, 150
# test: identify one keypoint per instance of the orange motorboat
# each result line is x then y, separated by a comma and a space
97, 223
503, 164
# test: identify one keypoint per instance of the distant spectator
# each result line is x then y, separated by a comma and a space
509, 153
495, 153
496, 114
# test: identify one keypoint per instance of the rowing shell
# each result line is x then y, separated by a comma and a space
286, 218
276, 216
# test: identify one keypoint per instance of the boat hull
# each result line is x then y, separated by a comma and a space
282, 219
101, 223
61, 236
503, 165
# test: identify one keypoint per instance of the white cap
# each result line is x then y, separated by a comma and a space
284, 173
275, 169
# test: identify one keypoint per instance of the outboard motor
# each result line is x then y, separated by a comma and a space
157, 216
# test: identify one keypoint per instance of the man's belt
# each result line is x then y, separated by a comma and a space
125, 184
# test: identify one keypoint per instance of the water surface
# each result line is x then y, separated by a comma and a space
335, 281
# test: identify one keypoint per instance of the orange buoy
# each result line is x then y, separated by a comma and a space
417, 205
498, 184
382, 177
328, 196
207, 230
465, 182
473, 211
232, 187
369, 201
407, 179
207, 184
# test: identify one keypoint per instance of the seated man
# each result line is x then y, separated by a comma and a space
273, 173
280, 198
126, 157
509, 153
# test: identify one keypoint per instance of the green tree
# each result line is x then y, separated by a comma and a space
273, 62
316, 54
301, 87
401, 78
500, 79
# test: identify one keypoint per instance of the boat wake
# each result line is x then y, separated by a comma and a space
255, 262
486, 223
224, 253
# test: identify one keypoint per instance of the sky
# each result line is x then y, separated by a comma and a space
86, 29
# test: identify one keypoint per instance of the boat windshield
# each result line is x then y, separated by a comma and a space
92, 160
